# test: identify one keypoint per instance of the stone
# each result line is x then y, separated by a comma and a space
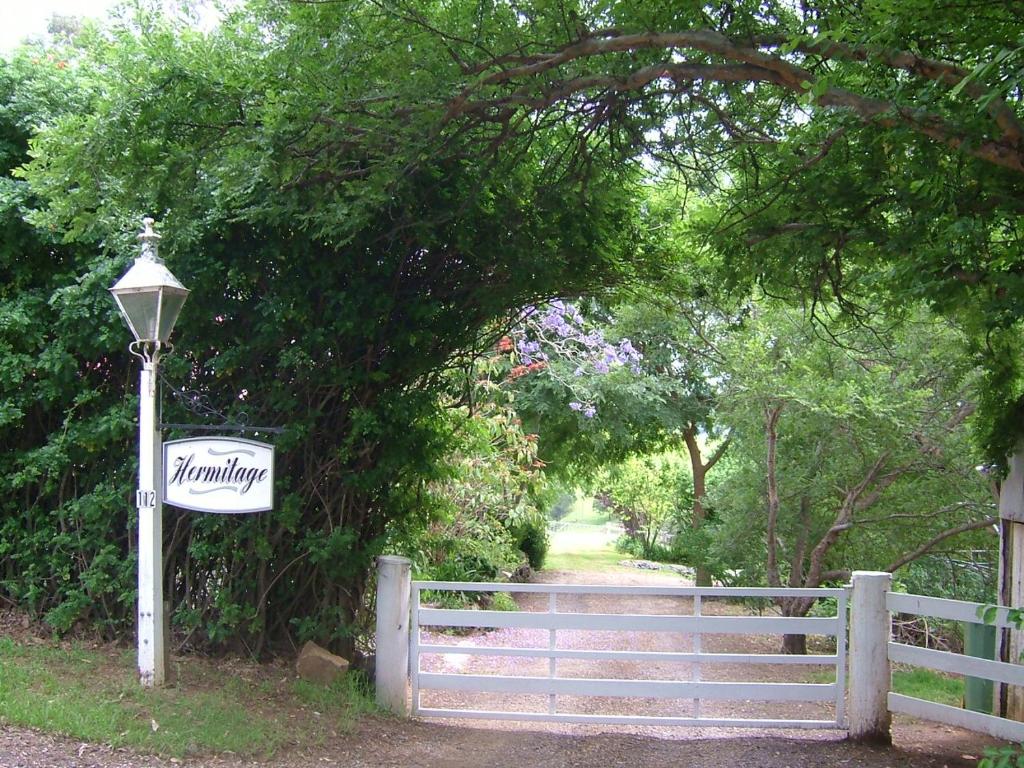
318, 665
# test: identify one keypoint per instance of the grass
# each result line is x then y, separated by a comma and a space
913, 681
579, 548
585, 560
925, 684
584, 512
94, 696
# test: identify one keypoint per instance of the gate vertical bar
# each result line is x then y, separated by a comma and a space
695, 673
552, 645
842, 619
414, 648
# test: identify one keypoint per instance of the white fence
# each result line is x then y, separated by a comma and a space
694, 625
943, 661
400, 649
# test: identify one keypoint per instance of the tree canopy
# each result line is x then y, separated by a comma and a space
333, 284
852, 151
363, 194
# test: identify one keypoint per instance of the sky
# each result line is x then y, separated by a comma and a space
23, 18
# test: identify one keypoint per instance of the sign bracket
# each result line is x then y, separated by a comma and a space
223, 428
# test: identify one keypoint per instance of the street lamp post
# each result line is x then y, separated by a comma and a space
150, 298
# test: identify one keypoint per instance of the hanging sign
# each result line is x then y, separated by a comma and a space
224, 475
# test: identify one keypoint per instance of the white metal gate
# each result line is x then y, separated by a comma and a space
694, 624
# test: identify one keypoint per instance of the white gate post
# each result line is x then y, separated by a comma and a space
870, 678
394, 583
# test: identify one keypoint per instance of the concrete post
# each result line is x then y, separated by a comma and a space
870, 678
392, 665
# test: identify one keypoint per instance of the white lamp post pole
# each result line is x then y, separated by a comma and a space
150, 298
151, 583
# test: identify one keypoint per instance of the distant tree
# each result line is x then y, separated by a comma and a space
847, 453
663, 397
61, 26
650, 495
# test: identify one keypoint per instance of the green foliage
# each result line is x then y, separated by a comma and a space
487, 520
959, 573
629, 545
341, 257
531, 535
355, 220
651, 495
872, 452
1002, 757
562, 506
696, 548
467, 550
502, 601
64, 517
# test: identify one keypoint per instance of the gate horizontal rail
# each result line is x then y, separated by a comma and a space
614, 589
829, 659
695, 625
708, 625
615, 688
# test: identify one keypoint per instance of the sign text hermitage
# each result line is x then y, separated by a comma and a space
219, 474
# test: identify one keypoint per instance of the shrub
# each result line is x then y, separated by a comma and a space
503, 601
627, 545
531, 536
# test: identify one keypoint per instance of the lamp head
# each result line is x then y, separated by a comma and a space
148, 295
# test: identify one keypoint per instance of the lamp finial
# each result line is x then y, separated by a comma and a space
150, 239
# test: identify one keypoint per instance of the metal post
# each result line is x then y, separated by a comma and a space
843, 620
414, 648
695, 671
870, 676
392, 667
552, 646
150, 505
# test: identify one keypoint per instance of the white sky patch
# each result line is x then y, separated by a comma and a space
27, 19
20, 19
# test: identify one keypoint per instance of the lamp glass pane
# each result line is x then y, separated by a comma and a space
173, 302
140, 310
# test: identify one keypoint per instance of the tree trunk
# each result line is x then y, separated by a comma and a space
795, 607
794, 644
772, 542
701, 576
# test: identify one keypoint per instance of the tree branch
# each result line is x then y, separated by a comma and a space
744, 64
924, 548
719, 452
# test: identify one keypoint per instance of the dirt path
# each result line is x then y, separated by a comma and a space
390, 743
